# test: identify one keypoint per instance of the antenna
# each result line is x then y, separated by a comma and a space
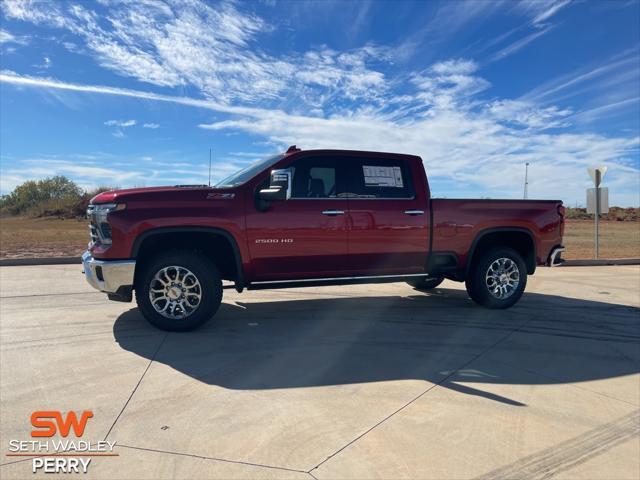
526, 180
210, 167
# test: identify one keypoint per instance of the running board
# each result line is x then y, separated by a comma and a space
320, 282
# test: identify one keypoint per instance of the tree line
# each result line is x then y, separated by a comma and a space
51, 197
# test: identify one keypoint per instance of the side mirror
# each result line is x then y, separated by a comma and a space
279, 186
271, 194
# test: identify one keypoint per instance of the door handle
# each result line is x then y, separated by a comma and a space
333, 213
414, 212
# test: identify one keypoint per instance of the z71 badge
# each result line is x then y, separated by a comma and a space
274, 240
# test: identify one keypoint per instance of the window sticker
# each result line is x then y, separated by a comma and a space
376, 176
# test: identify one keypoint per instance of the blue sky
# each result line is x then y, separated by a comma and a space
135, 93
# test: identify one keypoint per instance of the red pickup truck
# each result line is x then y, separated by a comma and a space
312, 217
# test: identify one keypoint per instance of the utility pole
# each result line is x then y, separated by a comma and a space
526, 180
597, 181
209, 166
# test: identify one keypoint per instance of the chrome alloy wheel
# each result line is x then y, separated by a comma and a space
175, 292
503, 278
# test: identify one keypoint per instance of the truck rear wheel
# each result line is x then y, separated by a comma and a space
497, 279
426, 283
179, 290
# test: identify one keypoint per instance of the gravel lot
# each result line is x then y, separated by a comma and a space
336, 382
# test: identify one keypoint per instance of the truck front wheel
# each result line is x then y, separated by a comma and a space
178, 290
497, 279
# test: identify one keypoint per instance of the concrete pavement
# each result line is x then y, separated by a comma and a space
367, 381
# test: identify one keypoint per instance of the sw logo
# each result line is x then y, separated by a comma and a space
46, 427
60, 455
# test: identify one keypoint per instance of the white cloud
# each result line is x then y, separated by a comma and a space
519, 44
7, 37
619, 73
151, 125
212, 48
342, 99
474, 144
120, 123
541, 10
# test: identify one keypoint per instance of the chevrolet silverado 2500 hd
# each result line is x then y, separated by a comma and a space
309, 218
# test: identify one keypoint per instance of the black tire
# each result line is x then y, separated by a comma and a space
209, 289
478, 287
426, 283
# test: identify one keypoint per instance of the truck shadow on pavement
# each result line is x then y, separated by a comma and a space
440, 337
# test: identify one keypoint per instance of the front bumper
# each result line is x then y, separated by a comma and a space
108, 276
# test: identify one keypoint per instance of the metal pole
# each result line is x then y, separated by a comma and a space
598, 177
526, 180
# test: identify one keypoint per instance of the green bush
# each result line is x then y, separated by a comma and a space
56, 196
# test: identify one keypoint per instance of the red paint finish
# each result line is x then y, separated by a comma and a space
293, 239
458, 222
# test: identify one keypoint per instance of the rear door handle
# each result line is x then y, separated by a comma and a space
333, 213
414, 212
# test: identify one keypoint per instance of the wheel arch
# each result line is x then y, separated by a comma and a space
518, 238
217, 244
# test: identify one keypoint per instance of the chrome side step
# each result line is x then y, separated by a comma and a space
318, 282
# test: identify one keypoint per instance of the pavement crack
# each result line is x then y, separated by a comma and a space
204, 457
137, 385
443, 380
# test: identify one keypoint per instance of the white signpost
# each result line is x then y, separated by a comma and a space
597, 199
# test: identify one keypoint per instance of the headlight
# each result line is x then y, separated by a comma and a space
102, 210
98, 214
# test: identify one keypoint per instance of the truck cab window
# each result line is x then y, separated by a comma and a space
315, 178
380, 178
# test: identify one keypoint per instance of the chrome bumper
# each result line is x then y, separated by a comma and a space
555, 257
108, 275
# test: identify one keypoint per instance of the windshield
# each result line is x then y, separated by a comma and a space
248, 173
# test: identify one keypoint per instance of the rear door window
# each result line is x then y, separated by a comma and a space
379, 178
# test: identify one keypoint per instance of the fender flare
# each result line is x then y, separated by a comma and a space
212, 230
490, 230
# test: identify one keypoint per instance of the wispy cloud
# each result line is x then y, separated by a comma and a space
212, 49
603, 91
214, 56
7, 37
120, 123
541, 10
519, 44
459, 138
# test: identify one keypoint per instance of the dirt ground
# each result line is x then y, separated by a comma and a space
42, 237
617, 239
46, 237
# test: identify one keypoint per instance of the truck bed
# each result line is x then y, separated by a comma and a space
457, 222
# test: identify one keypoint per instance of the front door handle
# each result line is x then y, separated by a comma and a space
333, 213
414, 212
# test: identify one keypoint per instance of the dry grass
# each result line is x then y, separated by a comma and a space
42, 237
617, 239
48, 237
